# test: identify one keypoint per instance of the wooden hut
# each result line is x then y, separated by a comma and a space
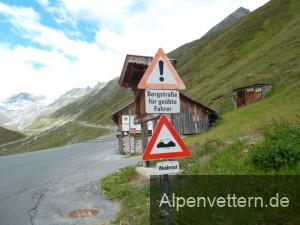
249, 94
193, 118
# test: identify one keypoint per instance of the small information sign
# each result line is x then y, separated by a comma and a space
167, 167
162, 101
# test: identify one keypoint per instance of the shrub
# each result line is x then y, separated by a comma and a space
280, 147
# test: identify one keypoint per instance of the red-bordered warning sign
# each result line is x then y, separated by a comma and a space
161, 74
165, 142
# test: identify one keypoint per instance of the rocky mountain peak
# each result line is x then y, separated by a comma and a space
229, 20
23, 96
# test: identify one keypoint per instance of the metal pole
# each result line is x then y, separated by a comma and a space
144, 127
129, 137
165, 179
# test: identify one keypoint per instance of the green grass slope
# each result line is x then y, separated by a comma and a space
7, 136
69, 133
260, 48
98, 106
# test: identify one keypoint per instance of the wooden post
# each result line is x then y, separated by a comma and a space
144, 127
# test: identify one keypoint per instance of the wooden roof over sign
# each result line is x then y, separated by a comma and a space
133, 70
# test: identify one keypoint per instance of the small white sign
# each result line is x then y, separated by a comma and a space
162, 101
167, 167
125, 119
128, 124
134, 126
150, 125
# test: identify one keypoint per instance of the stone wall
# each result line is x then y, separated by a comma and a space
136, 144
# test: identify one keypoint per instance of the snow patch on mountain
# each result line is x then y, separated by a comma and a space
20, 109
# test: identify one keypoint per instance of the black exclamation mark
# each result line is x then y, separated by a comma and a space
161, 70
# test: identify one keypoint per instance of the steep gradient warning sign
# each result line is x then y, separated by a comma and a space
165, 142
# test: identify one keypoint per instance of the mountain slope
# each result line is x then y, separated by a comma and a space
21, 109
4, 119
7, 136
97, 106
261, 48
229, 20
68, 97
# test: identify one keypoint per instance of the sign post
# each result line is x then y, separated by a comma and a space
129, 137
162, 83
165, 181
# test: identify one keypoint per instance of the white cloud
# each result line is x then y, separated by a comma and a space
43, 3
58, 73
19, 15
99, 9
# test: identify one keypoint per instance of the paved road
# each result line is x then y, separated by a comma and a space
40, 188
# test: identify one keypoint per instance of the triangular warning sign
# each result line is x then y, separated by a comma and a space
165, 142
161, 74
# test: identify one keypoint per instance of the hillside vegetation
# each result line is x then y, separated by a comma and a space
262, 138
97, 106
69, 133
7, 136
260, 48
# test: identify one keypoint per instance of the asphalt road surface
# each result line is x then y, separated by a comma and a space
41, 188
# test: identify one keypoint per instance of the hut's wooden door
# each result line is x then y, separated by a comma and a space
240, 98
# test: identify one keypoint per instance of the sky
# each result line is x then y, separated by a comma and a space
48, 47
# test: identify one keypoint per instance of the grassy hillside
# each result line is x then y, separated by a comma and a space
69, 133
7, 136
98, 106
260, 48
